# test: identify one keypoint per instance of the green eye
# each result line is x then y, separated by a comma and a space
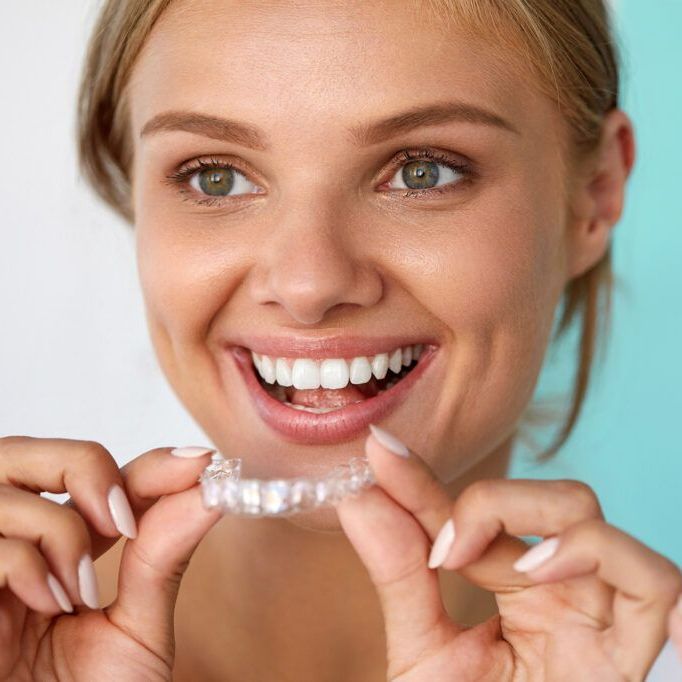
419, 174
422, 176
216, 182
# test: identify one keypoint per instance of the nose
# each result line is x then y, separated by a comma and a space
311, 263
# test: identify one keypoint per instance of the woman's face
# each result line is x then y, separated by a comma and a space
313, 235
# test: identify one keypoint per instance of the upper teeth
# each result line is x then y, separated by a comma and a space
305, 373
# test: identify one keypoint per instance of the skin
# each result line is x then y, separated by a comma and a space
232, 269
207, 273
675, 627
317, 245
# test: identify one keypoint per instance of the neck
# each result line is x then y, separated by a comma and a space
297, 601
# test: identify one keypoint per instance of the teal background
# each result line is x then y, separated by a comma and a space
626, 444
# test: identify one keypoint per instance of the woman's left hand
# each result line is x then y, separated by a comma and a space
597, 607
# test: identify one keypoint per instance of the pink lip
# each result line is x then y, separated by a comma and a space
339, 346
332, 427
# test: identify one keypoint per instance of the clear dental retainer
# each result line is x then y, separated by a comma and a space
223, 488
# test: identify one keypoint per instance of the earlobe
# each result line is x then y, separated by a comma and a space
598, 200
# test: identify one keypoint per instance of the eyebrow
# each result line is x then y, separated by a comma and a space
247, 135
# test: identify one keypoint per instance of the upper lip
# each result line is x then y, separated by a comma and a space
319, 348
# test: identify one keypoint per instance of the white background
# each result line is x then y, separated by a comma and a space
76, 361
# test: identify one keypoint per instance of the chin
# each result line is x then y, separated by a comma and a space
322, 519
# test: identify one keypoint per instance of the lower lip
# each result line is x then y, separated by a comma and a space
340, 425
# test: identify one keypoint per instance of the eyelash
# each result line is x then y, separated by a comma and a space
181, 177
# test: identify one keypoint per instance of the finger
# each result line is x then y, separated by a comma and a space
393, 548
84, 469
161, 472
24, 571
152, 565
410, 482
60, 535
516, 507
157, 472
646, 583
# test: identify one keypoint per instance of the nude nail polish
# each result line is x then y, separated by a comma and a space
389, 441
87, 582
537, 555
59, 593
442, 544
191, 451
121, 513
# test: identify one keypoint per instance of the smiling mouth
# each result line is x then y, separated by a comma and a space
336, 383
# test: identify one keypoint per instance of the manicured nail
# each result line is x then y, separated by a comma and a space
87, 582
537, 555
59, 594
389, 441
191, 451
442, 544
121, 512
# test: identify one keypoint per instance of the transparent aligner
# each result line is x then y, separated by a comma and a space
218, 479
223, 488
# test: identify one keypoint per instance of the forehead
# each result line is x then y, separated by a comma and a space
321, 62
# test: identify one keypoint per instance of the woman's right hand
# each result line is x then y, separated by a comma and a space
43, 543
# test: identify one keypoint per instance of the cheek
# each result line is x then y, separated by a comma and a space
500, 271
186, 275
495, 286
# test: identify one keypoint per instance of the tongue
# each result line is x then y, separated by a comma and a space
332, 397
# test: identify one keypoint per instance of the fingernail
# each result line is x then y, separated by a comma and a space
537, 555
121, 512
442, 544
59, 593
87, 582
389, 441
191, 451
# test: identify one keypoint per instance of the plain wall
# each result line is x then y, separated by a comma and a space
626, 444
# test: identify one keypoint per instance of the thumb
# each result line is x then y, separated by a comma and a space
409, 480
152, 565
393, 547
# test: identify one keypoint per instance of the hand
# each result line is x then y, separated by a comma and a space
595, 610
132, 639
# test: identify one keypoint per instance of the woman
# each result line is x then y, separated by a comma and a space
325, 181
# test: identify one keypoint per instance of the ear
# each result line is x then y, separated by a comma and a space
598, 195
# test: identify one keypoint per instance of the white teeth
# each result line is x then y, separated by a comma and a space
283, 373
334, 373
360, 371
395, 361
305, 374
267, 369
380, 365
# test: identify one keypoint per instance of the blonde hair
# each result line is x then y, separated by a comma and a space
566, 43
